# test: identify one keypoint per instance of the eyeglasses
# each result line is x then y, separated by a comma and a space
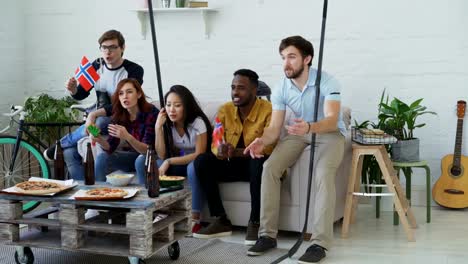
111, 48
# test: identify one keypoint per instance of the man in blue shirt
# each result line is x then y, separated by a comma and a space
297, 91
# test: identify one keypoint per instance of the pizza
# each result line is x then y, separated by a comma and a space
39, 187
171, 178
106, 193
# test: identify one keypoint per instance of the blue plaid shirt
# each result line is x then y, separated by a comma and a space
142, 129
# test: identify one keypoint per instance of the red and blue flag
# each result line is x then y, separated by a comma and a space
86, 74
218, 133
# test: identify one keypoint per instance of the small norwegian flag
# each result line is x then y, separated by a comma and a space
218, 133
86, 74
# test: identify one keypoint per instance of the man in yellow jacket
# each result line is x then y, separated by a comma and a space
243, 120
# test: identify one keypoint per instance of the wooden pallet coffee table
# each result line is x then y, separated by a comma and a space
123, 227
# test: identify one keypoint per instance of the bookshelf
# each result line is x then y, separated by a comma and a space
204, 12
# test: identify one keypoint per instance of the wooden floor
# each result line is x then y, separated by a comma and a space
371, 240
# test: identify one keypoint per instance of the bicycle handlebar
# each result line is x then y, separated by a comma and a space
18, 109
82, 107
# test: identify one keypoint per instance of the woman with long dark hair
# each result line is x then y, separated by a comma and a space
190, 136
131, 127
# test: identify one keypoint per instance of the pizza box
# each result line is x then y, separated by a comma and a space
81, 195
68, 184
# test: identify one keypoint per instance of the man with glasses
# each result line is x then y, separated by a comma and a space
112, 68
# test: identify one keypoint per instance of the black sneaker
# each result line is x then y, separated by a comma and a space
219, 228
252, 233
313, 254
264, 243
49, 153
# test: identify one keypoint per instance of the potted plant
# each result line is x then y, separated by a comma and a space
399, 119
46, 109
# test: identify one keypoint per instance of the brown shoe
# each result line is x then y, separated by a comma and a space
252, 233
218, 228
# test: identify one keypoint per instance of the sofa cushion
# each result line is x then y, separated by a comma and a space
210, 108
240, 192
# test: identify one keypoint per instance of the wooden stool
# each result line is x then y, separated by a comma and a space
419, 164
391, 182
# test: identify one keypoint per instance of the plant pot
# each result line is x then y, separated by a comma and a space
180, 3
406, 150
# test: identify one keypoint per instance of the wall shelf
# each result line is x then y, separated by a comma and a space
203, 11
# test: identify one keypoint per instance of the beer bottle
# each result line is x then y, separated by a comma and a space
148, 150
89, 166
59, 163
152, 175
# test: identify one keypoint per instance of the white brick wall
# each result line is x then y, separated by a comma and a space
12, 66
413, 48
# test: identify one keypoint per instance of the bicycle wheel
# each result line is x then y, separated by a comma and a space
29, 162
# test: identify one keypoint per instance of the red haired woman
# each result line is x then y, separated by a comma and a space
132, 124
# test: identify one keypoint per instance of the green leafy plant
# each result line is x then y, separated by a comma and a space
46, 109
399, 119
395, 118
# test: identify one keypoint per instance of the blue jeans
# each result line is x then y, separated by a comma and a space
74, 163
70, 151
120, 160
198, 199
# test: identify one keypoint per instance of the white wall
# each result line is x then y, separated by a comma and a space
413, 49
12, 46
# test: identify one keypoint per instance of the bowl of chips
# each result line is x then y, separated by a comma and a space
168, 181
120, 179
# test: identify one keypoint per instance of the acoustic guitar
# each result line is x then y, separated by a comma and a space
451, 189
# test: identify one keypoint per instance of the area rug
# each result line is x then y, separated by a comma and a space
214, 251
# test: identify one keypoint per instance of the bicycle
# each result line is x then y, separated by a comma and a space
19, 158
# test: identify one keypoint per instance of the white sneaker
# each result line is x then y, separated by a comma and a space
49, 153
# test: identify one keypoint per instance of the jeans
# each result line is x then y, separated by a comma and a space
211, 170
188, 170
127, 161
74, 163
70, 152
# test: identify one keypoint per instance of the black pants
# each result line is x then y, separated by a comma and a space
210, 171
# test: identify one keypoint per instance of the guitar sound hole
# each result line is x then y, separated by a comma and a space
454, 191
455, 171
